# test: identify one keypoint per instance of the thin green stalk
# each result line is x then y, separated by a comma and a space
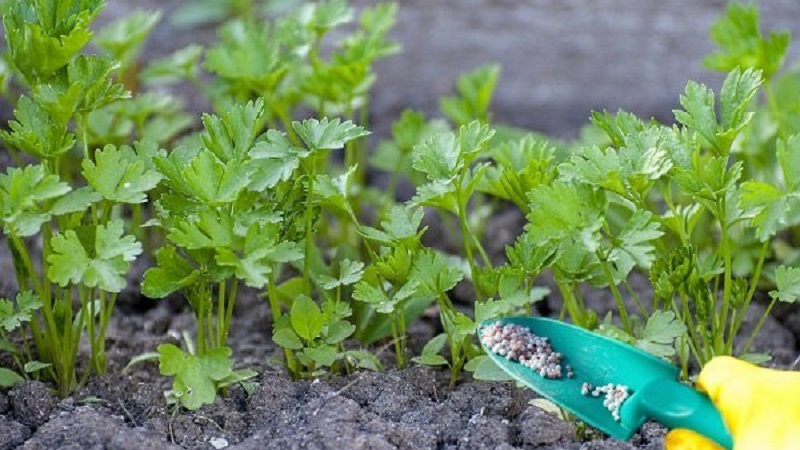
401, 326
275, 309
309, 218
398, 349
623, 312
27, 263
739, 315
466, 238
106, 309
221, 298
690, 327
234, 291
721, 319
88, 304
760, 324
200, 314
570, 305
635, 297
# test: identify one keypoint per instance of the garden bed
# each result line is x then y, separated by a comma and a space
252, 281
398, 409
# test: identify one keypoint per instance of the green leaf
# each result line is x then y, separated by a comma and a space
434, 274
275, 159
636, 240
483, 368
306, 318
400, 225
334, 192
238, 376
262, 250
741, 43
23, 197
438, 157
430, 352
350, 272
104, 262
367, 293
363, 359
431, 360
770, 205
699, 113
565, 211
212, 228
788, 154
521, 165
324, 355
36, 132
26, 304
75, 201
287, 338
8, 378
44, 38
787, 280
119, 176
738, 89
231, 135
35, 366
247, 58
327, 134
213, 182
338, 331
617, 127
180, 65
435, 345
171, 273
660, 332
597, 167
474, 94
196, 377
124, 37
94, 74
329, 14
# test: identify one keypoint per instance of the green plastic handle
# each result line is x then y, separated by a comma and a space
676, 405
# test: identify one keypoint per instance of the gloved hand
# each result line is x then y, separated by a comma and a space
761, 407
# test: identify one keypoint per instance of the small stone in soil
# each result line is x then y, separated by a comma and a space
517, 343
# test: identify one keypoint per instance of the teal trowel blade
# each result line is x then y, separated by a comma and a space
656, 393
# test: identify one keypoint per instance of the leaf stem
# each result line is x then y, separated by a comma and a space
623, 312
309, 219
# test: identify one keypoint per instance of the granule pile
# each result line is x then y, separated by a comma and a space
517, 343
615, 396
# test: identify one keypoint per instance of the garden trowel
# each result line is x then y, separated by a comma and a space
655, 392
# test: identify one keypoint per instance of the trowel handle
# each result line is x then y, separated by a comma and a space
676, 405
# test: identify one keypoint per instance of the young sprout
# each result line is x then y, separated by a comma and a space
517, 343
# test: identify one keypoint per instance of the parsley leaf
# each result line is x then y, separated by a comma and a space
23, 197
101, 262
196, 377
350, 272
119, 175
787, 280
12, 317
326, 134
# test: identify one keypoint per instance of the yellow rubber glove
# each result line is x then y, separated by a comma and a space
761, 407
